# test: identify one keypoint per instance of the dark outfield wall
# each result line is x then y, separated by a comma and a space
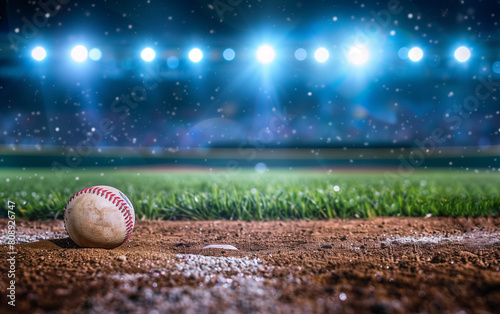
62, 162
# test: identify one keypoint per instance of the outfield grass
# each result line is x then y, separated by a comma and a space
41, 194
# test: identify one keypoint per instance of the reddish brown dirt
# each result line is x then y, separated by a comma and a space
307, 266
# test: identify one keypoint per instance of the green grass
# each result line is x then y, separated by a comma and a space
41, 194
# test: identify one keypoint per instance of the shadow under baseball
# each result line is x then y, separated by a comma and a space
65, 243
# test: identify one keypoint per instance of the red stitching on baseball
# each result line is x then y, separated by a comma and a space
108, 195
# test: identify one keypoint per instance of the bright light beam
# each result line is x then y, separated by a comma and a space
321, 55
38, 53
265, 54
358, 55
462, 54
195, 55
148, 54
79, 53
415, 54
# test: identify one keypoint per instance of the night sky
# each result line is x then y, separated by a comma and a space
172, 102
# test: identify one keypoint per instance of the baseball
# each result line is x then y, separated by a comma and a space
99, 217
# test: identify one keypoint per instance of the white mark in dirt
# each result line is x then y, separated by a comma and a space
241, 284
475, 237
28, 235
220, 246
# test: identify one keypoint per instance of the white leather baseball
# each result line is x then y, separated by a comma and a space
100, 217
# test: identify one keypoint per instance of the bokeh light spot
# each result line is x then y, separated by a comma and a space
403, 53
173, 62
95, 54
260, 167
38, 53
79, 53
462, 54
496, 67
195, 55
228, 54
415, 54
265, 54
300, 54
148, 54
321, 55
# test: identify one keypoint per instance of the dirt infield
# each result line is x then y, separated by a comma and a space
381, 265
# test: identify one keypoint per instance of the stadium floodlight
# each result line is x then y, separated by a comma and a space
229, 54
95, 54
300, 54
38, 53
462, 54
321, 55
195, 55
265, 54
148, 54
79, 53
358, 55
415, 54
